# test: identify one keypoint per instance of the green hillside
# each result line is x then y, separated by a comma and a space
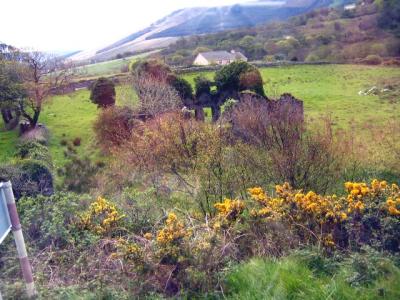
326, 34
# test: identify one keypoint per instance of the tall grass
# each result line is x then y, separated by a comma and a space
292, 278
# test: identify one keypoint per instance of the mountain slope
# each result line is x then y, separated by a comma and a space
327, 34
200, 20
237, 16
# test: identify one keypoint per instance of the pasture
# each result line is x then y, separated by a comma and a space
327, 89
110, 67
333, 89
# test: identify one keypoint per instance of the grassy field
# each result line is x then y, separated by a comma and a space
110, 67
324, 89
333, 89
67, 117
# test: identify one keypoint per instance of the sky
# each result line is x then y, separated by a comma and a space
68, 25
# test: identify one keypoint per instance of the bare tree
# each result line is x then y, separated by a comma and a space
155, 97
43, 75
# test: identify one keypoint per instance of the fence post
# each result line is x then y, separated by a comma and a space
19, 239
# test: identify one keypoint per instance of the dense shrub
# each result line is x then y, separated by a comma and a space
34, 150
281, 143
114, 126
372, 60
40, 134
155, 69
252, 81
103, 92
312, 57
183, 87
389, 16
367, 215
37, 172
79, 172
159, 88
228, 78
51, 220
156, 97
31, 172
29, 177
202, 85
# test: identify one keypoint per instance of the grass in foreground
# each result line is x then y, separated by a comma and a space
293, 278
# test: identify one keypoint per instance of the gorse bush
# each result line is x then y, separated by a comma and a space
368, 215
102, 217
187, 253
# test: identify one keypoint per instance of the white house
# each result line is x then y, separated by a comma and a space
350, 6
218, 58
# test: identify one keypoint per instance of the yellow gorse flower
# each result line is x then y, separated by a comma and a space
101, 217
173, 230
296, 206
230, 209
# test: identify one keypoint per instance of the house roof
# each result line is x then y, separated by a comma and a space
222, 55
239, 55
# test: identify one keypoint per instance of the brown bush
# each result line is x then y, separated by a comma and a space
155, 69
372, 60
250, 80
288, 151
77, 141
392, 62
155, 97
113, 127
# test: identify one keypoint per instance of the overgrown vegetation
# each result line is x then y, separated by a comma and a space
290, 190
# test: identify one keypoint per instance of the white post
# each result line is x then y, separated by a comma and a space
19, 239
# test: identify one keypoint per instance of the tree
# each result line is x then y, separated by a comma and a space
228, 79
154, 68
42, 76
103, 92
150, 73
183, 87
389, 15
202, 85
11, 88
155, 97
251, 80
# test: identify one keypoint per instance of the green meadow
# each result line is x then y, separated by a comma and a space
67, 117
333, 90
110, 67
327, 89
